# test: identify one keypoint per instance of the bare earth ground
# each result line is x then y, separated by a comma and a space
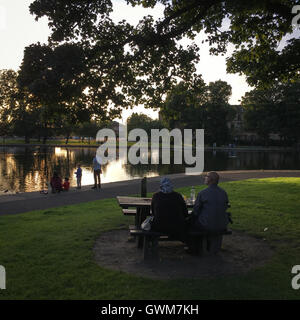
240, 253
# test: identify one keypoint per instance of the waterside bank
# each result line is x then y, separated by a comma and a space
28, 201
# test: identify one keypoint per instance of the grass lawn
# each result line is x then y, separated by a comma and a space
48, 254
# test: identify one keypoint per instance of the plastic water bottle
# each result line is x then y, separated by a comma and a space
193, 194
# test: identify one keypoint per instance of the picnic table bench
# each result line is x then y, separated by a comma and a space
129, 212
140, 207
135, 206
202, 241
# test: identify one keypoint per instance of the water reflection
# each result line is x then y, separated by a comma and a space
30, 168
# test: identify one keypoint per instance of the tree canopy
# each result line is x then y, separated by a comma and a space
8, 90
274, 110
93, 66
142, 121
203, 106
145, 60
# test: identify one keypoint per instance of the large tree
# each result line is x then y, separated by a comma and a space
274, 110
138, 64
18, 112
142, 121
217, 112
54, 79
200, 106
8, 92
183, 107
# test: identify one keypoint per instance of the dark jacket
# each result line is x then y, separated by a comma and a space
210, 208
56, 183
169, 211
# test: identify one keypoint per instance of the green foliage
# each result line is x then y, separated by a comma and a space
8, 91
53, 78
88, 129
94, 67
8, 88
48, 254
263, 64
219, 92
200, 107
258, 118
151, 66
18, 112
274, 110
142, 121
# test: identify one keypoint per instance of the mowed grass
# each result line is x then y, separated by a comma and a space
48, 254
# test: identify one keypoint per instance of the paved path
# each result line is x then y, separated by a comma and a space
28, 201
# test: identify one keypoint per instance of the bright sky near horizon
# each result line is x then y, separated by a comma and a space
19, 29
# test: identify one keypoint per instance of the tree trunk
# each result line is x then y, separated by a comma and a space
67, 139
44, 139
27, 139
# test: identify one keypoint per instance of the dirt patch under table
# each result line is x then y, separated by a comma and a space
240, 253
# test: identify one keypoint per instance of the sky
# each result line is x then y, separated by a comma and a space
19, 29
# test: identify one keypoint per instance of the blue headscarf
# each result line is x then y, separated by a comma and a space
166, 185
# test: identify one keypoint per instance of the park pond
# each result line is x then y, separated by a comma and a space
24, 169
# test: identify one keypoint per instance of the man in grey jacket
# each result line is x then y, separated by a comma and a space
211, 205
210, 210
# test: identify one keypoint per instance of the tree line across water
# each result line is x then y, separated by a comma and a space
93, 67
274, 110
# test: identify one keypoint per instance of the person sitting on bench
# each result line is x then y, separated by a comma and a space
169, 210
209, 212
56, 183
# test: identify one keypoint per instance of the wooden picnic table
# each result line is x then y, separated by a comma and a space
148, 240
142, 205
137, 202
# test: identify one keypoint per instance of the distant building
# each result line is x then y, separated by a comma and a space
237, 127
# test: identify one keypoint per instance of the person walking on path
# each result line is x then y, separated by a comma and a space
78, 176
97, 172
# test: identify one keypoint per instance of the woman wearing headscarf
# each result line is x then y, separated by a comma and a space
169, 210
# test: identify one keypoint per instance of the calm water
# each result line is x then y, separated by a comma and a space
29, 168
